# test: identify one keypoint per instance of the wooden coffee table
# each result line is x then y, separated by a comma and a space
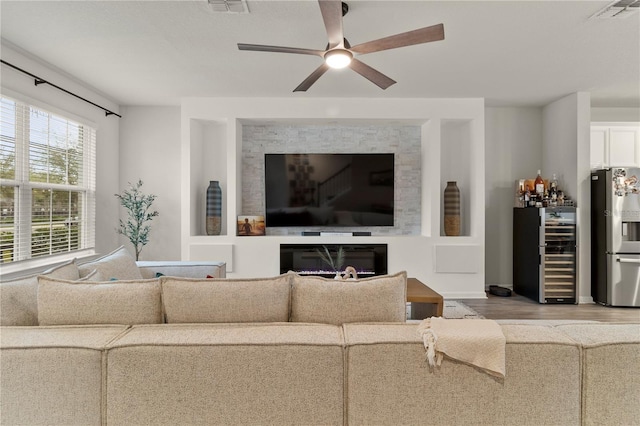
420, 297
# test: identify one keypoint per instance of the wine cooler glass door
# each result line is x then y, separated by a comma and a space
558, 259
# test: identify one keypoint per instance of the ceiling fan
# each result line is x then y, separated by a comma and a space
340, 54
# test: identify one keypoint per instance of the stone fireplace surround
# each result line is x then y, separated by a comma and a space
402, 140
367, 259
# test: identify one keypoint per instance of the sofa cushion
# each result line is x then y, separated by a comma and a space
610, 372
389, 378
226, 374
53, 375
118, 264
62, 302
226, 300
376, 299
19, 297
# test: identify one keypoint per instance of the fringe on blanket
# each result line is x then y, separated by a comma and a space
477, 342
429, 337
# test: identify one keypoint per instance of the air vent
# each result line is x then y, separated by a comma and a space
229, 6
618, 9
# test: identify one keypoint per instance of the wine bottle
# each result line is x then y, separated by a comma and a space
539, 185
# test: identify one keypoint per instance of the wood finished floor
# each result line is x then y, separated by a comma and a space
520, 307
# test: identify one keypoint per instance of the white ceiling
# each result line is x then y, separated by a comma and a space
509, 52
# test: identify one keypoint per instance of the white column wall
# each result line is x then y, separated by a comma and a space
566, 151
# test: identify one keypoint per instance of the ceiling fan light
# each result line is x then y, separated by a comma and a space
338, 58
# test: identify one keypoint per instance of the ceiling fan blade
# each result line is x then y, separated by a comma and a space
280, 49
308, 82
422, 35
332, 16
371, 74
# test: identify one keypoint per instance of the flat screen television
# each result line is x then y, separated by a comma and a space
342, 190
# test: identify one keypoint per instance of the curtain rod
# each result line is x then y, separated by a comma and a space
38, 81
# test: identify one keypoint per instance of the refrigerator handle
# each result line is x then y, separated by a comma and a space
636, 261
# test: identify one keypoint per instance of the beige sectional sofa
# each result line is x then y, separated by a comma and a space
234, 351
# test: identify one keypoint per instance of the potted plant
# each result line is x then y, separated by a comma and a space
138, 206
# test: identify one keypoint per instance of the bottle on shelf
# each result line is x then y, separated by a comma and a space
539, 185
553, 191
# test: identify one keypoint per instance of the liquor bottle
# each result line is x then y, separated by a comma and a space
539, 185
553, 190
519, 198
553, 185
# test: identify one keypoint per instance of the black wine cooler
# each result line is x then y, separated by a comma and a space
544, 254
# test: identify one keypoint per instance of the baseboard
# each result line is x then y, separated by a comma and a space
585, 300
509, 286
464, 295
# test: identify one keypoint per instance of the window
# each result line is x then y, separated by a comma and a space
47, 181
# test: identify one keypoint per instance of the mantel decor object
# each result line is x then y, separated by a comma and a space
214, 208
251, 226
451, 210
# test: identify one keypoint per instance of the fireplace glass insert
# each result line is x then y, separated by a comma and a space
311, 259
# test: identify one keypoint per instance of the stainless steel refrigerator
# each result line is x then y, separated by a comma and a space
615, 236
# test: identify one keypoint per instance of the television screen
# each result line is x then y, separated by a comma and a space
347, 190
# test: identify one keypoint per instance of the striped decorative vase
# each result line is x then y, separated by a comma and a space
214, 208
451, 210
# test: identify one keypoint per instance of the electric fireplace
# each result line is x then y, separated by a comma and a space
311, 259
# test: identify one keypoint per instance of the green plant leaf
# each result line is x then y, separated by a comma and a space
138, 206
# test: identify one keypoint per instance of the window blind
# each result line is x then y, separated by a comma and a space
48, 183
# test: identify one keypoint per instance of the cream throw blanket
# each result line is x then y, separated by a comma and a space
479, 342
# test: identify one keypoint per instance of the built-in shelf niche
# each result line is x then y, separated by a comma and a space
208, 158
456, 165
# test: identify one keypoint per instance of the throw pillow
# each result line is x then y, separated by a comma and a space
19, 301
19, 297
62, 302
118, 264
226, 300
376, 299
65, 271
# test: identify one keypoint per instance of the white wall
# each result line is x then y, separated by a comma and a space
513, 140
150, 151
559, 147
107, 129
615, 114
566, 151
